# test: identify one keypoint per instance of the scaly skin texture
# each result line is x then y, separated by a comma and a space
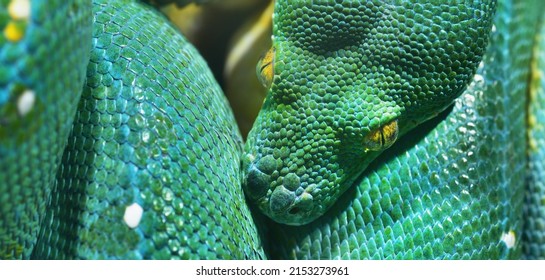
533, 241
152, 129
151, 168
153, 133
342, 72
41, 77
433, 195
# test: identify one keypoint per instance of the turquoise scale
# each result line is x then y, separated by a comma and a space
52, 70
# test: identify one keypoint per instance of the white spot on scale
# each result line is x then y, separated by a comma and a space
26, 102
19, 9
509, 239
145, 136
133, 215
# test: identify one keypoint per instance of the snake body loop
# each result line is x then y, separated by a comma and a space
41, 80
148, 170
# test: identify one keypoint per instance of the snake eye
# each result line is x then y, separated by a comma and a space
265, 71
382, 138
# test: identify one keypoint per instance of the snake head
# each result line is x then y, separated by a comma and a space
345, 81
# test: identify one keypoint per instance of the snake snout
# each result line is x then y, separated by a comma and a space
279, 195
257, 177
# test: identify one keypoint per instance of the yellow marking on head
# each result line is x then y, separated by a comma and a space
13, 32
19, 9
382, 138
265, 68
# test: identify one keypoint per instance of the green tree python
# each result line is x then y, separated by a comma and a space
390, 130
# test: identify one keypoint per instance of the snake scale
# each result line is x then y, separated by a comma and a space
391, 130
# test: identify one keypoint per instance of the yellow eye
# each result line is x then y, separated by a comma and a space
265, 68
382, 138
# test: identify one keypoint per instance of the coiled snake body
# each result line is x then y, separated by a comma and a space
147, 162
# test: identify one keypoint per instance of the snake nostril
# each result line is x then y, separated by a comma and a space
294, 210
